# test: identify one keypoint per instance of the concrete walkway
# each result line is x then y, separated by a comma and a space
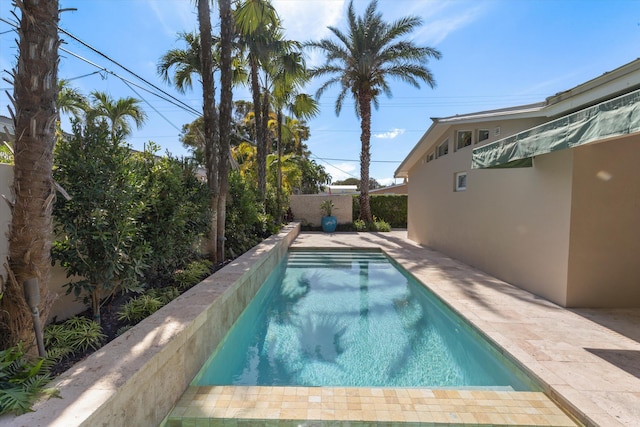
587, 359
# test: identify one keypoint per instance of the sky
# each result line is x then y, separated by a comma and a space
495, 54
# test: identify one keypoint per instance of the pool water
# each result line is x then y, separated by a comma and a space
341, 319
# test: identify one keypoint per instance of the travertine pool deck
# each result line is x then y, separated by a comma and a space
587, 361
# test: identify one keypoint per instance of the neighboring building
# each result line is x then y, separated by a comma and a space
341, 189
391, 189
544, 196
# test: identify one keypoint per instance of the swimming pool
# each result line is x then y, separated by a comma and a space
353, 318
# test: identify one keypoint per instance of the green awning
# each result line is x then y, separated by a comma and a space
616, 117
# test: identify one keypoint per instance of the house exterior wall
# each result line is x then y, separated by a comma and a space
604, 268
511, 223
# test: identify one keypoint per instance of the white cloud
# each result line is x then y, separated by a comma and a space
308, 20
174, 17
436, 29
341, 171
389, 135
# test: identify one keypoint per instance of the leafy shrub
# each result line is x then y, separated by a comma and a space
192, 273
22, 381
380, 225
145, 305
6, 156
376, 225
140, 307
99, 233
245, 225
77, 334
176, 214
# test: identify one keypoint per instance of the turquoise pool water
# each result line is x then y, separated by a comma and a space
353, 319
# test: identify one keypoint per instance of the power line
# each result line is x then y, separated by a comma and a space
358, 161
181, 104
122, 66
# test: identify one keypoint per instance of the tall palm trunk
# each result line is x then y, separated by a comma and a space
210, 122
279, 177
364, 99
226, 101
260, 133
35, 93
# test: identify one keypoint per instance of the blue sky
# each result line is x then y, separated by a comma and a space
496, 53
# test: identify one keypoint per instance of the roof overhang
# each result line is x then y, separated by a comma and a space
609, 119
440, 126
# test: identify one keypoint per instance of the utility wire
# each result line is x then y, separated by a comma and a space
333, 166
122, 66
152, 107
181, 104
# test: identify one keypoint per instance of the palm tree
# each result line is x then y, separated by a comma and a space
258, 26
35, 89
361, 61
226, 108
210, 120
188, 62
70, 100
289, 75
117, 112
185, 62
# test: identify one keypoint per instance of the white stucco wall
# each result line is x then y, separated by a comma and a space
306, 207
511, 223
604, 267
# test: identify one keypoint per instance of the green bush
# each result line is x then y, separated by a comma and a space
77, 334
139, 307
6, 156
245, 226
390, 208
193, 273
176, 214
145, 305
99, 231
376, 225
22, 381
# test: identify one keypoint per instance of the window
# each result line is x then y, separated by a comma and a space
461, 181
483, 134
463, 139
431, 156
443, 149
496, 132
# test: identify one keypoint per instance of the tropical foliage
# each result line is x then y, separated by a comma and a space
360, 60
99, 228
22, 381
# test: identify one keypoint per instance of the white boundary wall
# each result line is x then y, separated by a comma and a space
306, 207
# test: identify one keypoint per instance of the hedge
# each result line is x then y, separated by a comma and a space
391, 208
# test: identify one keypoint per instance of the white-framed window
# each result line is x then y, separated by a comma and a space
431, 156
460, 181
483, 134
443, 148
463, 138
